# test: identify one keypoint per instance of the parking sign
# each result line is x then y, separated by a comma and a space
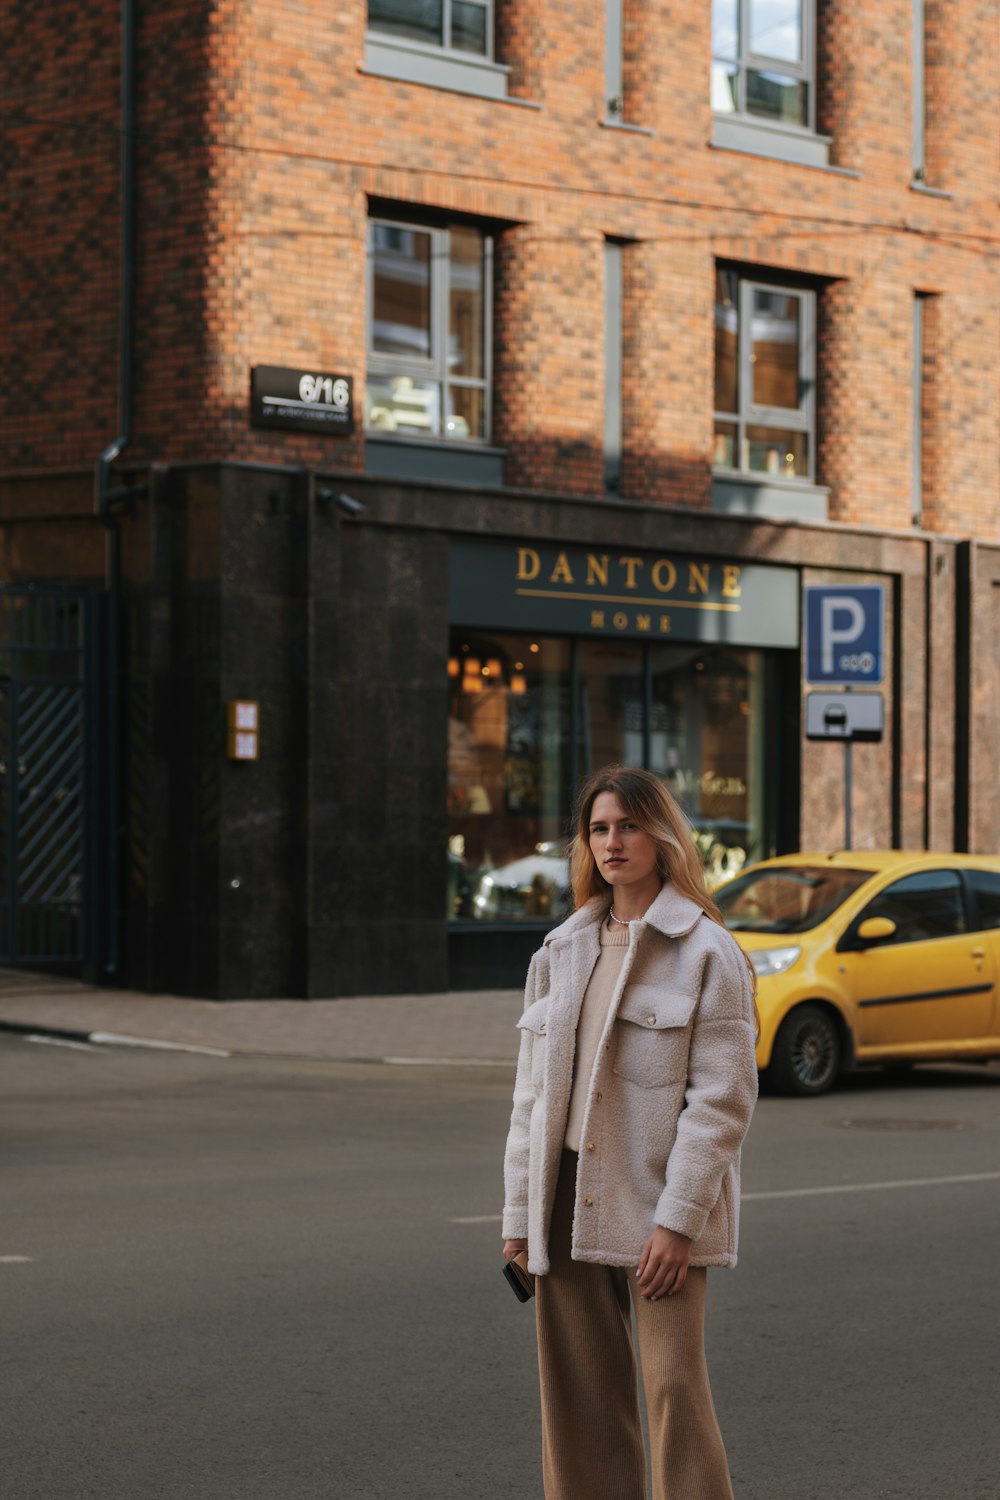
845, 634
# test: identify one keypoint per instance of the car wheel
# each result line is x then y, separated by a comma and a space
806, 1056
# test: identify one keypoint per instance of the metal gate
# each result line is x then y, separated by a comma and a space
49, 777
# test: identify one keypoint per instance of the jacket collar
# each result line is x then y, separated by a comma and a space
671, 913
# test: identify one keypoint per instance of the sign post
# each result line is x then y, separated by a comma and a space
845, 648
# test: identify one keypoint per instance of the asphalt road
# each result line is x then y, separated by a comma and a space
245, 1279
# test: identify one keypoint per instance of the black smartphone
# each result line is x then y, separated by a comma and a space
521, 1281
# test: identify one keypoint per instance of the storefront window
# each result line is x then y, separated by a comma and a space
706, 743
508, 777
521, 705
611, 703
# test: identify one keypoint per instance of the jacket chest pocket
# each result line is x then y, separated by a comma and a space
653, 1034
533, 1025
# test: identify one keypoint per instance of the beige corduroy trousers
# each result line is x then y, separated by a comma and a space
591, 1431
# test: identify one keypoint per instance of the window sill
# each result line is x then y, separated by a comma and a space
433, 67
916, 186
610, 122
774, 499
426, 458
780, 143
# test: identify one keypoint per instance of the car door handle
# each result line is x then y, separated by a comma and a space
979, 953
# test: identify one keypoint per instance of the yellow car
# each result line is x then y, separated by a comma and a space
866, 957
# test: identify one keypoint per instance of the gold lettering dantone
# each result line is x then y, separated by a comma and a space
528, 564
597, 569
664, 575
630, 564
561, 572
698, 578
731, 586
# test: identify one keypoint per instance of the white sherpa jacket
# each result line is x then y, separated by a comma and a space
669, 1101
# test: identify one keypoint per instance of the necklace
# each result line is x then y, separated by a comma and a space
616, 918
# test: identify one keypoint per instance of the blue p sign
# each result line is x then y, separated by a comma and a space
845, 632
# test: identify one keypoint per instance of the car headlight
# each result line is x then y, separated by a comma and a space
768, 961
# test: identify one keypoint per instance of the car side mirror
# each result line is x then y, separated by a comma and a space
876, 929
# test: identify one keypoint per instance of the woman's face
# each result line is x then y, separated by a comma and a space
624, 854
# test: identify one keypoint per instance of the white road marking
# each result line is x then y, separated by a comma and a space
59, 1041
449, 1062
813, 1192
870, 1187
115, 1039
15, 1260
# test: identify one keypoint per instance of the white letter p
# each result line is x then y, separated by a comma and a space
829, 633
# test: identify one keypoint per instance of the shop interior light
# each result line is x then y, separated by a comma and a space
518, 683
472, 684
494, 667
454, 666
473, 666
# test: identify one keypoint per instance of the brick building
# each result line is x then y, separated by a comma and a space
475, 387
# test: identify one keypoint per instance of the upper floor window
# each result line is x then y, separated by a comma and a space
765, 359
429, 298
762, 65
456, 25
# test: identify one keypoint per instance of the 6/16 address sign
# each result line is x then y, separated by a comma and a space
302, 400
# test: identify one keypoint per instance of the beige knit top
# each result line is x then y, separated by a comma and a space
593, 1014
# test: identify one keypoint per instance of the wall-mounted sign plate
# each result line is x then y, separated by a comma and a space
302, 400
242, 729
845, 716
844, 634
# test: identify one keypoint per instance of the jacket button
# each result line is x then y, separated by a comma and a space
591, 1146
542, 1028
650, 1020
588, 1202
598, 1096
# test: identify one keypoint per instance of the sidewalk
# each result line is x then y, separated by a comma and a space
474, 1027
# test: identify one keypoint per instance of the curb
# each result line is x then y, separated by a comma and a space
63, 1033
121, 1039
107, 1039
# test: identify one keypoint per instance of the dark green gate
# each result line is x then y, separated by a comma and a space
50, 777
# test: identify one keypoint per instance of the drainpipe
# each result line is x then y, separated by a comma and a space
112, 500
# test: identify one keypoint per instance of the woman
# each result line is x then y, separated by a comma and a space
635, 1086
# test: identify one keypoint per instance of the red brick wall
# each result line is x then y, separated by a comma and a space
58, 232
261, 138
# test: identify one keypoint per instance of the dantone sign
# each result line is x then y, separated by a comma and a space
619, 591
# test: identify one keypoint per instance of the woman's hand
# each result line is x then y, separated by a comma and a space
514, 1247
663, 1264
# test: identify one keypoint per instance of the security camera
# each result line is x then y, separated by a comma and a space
346, 504
350, 506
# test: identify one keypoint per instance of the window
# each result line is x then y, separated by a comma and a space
762, 65
922, 906
456, 25
429, 325
764, 377
509, 791
531, 717
919, 91
986, 884
613, 351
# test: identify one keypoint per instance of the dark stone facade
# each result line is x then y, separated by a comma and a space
319, 869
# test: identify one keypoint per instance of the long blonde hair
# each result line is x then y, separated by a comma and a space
647, 802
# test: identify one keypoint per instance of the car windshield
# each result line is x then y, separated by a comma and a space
786, 898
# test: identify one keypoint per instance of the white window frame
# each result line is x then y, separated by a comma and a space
759, 62
750, 414
435, 366
444, 46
